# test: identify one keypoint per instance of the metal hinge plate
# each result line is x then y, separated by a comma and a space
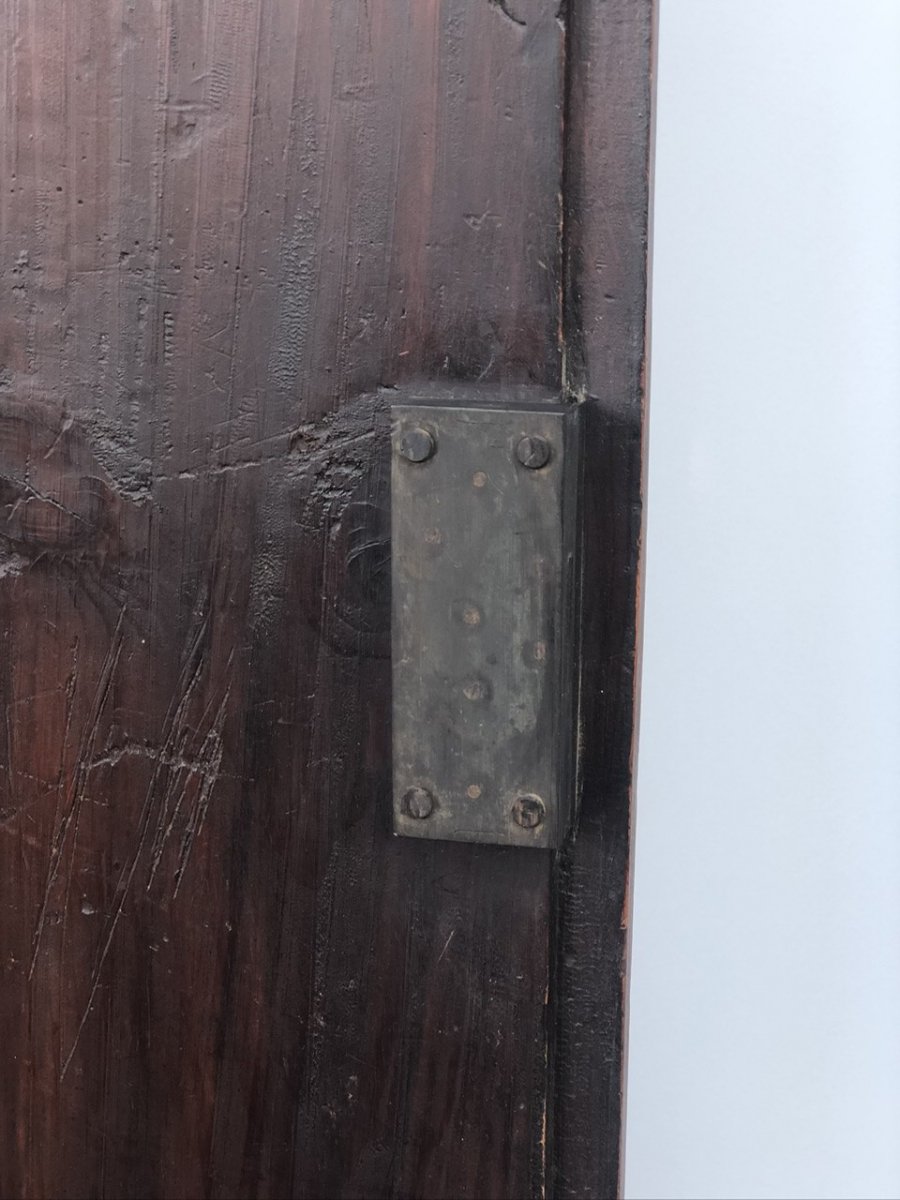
485, 570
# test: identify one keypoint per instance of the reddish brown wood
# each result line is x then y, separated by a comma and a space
224, 229
227, 231
607, 189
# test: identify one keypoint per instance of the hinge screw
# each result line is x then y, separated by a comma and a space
528, 811
418, 803
416, 445
533, 452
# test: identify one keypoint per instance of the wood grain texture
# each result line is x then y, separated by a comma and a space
607, 199
225, 229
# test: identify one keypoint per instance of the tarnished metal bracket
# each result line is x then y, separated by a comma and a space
485, 607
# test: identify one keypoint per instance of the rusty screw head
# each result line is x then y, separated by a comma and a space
528, 811
416, 445
533, 452
418, 802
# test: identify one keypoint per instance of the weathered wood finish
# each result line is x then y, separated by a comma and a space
607, 191
225, 228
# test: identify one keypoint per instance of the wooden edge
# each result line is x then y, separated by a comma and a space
608, 153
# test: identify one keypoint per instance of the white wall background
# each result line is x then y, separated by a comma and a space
765, 999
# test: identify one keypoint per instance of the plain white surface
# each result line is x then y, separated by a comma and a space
765, 995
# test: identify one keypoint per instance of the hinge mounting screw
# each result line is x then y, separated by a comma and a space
416, 445
528, 811
418, 802
533, 452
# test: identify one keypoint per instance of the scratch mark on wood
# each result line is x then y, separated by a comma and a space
211, 758
170, 763
447, 944
175, 735
79, 778
187, 682
153, 754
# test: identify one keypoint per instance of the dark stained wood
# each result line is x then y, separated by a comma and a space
225, 228
607, 190
227, 231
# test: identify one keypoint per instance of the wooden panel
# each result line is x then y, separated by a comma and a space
224, 228
608, 149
